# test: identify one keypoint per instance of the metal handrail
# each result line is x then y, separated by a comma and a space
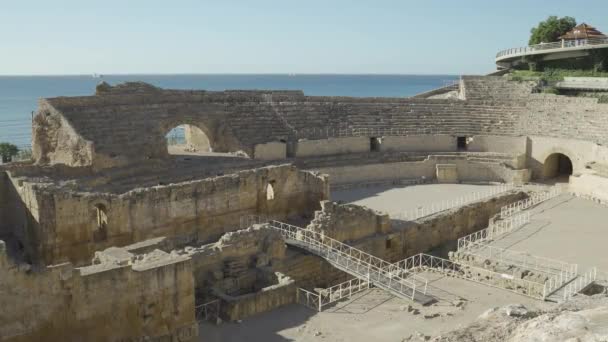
494, 229
208, 311
524, 259
433, 208
580, 283
355, 261
531, 201
564, 44
421, 262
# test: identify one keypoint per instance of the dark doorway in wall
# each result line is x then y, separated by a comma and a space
374, 144
101, 232
461, 143
557, 165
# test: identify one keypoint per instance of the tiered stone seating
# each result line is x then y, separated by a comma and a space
493, 106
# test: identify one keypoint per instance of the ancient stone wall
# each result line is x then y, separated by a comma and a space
420, 143
270, 151
468, 171
76, 131
71, 225
21, 212
231, 264
348, 222
282, 291
331, 146
149, 299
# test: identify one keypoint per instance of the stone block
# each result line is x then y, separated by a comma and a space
447, 173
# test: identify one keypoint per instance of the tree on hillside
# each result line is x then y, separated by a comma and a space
549, 30
8, 151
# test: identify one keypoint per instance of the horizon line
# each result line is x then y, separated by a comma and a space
232, 74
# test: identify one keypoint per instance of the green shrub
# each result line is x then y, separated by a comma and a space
8, 151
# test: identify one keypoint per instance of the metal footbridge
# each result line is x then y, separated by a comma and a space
380, 273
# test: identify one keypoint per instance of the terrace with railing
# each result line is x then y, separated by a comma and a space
543, 48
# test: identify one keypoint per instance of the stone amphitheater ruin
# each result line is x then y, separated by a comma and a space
445, 204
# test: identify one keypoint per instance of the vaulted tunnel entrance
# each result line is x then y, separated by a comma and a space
557, 165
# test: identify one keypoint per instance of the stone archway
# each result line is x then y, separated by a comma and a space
557, 165
188, 138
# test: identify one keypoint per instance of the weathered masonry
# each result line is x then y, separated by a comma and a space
112, 223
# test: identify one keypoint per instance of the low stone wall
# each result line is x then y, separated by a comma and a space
331, 146
234, 308
151, 299
467, 171
270, 151
419, 143
500, 144
348, 222
506, 269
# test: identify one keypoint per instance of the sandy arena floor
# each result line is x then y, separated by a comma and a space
394, 200
372, 315
566, 228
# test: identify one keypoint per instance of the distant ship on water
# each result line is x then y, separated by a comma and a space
97, 75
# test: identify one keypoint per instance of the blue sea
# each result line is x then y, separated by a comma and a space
19, 94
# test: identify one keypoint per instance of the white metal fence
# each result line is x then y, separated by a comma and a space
330, 295
353, 261
494, 230
423, 262
525, 260
208, 312
557, 272
580, 283
534, 199
433, 208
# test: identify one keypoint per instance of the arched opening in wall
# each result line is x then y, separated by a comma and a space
101, 229
270, 191
557, 166
187, 139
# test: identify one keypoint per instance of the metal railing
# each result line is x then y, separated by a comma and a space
351, 260
424, 262
580, 283
208, 312
308, 299
557, 272
525, 260
332, 294
564, 44
534, 199
422, 211
494, 230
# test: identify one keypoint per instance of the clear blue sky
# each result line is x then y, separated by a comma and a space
264, 36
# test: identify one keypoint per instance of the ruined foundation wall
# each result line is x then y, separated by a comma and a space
191, 212
54, 140
23, 215
467, 171
436, 230
97, 303
348, 222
